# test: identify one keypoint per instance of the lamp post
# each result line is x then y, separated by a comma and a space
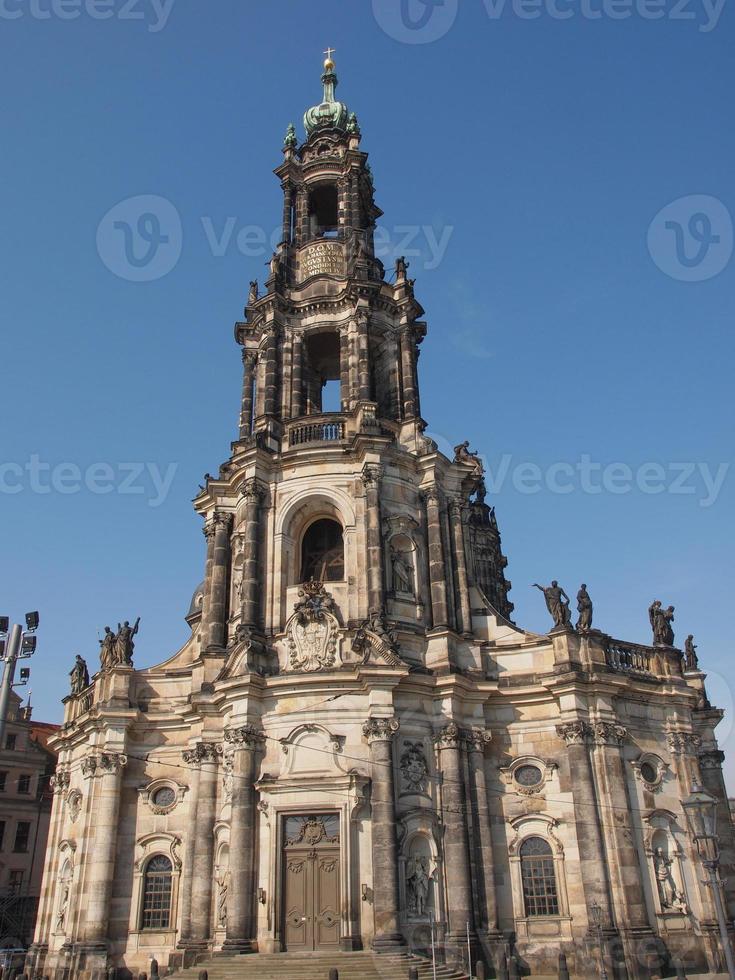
700, 808
596, 913
15, 644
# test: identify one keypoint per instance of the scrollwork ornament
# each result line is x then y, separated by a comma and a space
372, 474
574, 732
607, 733
202, 752
380, 729
252, 491
448, 737
684, 743
245, 737
477, 739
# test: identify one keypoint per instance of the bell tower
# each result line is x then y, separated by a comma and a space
331, 477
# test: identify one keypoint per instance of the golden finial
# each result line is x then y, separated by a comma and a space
329, 63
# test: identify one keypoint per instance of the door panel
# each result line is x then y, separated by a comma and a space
311, 905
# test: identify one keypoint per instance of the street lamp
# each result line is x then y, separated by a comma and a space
18, 646
596, 913
700, 808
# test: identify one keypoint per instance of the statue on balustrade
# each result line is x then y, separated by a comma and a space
79, 676
557, 602
585, 609
661, 620
691, 660
253, 294
107, 649
124, 644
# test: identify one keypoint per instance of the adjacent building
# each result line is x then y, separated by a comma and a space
26, 767
357, 740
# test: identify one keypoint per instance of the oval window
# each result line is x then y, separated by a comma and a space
528, 775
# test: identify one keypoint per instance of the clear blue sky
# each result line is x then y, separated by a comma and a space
543, 148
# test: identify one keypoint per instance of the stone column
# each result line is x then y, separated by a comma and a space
710, 766
106, 770
437, 575
191, 759
371, 477
297, 395
477, 740
586, 815
249, 359
205, 757
456, 838
465, 612
630, 906
363, 359
253, 494
379, 733
270, 400
217, 597
344, 369
302, 216
208, 531
241, 920
287, 208
408, 374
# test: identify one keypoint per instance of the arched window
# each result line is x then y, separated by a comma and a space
324, 211
539, 878
157, 893
323, 553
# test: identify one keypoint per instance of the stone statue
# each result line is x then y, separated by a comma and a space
402, 572
79, 676
63, 906
653, 615
223, 884
691, 660
667, 890
290, 141
418, 884
401, 267
124, 645
253, 294
661, 620
557, 602
107, 649
275, 265
585, 609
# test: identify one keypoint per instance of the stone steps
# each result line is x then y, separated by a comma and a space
316, 966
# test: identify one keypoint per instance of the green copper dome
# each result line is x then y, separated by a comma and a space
331, 114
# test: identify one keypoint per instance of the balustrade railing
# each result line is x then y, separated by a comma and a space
327, 429
629, 657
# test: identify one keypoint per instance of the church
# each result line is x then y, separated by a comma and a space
357, 750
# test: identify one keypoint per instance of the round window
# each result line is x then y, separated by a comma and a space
649, 772
528, 775
164, 796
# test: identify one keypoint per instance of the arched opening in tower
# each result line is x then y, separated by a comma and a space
323, 552
323, 212
323, 374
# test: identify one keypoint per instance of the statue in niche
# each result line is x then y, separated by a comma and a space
402, 570
222, 888
79, 676
585, 609
63, 907
668, 893
691, 660
557, 602
417, 880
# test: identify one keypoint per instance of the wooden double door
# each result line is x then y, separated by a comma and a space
311, 882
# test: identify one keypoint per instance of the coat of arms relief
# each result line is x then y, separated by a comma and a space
313, 630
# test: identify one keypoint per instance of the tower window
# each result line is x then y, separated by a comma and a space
324, 211
539, 877
323, 553
157, 893
322, 373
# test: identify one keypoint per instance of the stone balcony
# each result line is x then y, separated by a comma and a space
331, 428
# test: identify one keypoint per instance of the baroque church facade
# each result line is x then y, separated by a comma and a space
357, 745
